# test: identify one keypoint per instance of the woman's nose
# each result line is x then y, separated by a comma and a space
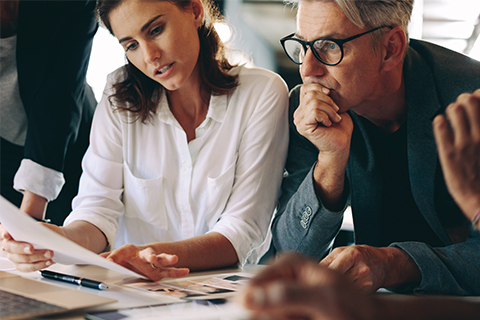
151, 52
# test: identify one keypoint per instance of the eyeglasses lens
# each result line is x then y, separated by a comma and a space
328, 51
294, 50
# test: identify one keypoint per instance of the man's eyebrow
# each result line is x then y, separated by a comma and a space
144, 27
329, 36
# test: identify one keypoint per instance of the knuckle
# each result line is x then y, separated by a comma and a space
472, 101
454, 108
4, 245
364, 271
463, 96
336, 251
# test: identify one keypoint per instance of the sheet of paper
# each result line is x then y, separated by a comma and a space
23, 228
196, 310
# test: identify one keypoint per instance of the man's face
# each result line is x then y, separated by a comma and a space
354, 81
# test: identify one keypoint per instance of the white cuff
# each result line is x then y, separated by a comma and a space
38, 179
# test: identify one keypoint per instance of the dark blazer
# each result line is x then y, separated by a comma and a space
54, 41
434, 77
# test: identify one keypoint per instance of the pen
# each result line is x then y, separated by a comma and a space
76, 280
42, 220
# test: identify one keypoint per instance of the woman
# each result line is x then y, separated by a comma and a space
187, 151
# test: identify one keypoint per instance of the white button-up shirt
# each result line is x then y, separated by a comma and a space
145, 183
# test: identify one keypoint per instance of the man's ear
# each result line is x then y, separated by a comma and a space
197, 8
393, 46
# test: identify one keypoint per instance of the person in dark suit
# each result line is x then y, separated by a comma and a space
361, 134
47, 106
297, 287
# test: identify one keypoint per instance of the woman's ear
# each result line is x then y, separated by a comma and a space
393, 47
197, 8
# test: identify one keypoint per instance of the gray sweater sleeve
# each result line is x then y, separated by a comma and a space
302, 223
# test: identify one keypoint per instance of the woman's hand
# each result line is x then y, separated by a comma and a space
23, 255
144, 260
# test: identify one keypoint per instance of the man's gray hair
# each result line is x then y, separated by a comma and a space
369, 14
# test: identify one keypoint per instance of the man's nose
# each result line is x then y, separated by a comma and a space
311, 66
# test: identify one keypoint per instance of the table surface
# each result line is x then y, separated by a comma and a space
126, 297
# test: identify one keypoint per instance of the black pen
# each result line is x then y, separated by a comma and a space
76, 280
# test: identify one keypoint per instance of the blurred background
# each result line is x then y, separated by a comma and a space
254, 28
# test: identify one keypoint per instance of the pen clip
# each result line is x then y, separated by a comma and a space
42, 220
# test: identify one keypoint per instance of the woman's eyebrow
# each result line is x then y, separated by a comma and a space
144, 27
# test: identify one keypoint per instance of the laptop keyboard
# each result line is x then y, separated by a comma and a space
14, 306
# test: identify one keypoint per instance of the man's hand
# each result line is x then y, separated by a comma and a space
316, 118
372, 268
297, 288
459, 150
144, 260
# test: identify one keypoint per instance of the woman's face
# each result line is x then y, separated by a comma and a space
160, 39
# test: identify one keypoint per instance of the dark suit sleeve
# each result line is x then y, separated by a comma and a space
451, 269
54, 41
302, 223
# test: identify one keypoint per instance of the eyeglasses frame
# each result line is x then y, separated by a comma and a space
339, 42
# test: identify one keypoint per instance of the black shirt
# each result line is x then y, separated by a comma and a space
401, 220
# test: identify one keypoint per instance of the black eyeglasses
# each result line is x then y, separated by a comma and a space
327, 51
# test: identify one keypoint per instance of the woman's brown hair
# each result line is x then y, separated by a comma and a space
140, 95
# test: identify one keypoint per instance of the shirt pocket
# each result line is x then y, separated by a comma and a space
219, 190
144, 199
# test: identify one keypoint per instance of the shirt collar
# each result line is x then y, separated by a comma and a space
216, 109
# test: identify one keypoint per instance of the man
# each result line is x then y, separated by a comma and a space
295, 287
361, 133
46, 106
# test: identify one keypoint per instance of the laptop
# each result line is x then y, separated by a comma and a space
22, 298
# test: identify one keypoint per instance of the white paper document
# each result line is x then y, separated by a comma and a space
195, 310
23, 228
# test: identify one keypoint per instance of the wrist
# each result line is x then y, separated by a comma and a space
401, 269
33, 205
329, 179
